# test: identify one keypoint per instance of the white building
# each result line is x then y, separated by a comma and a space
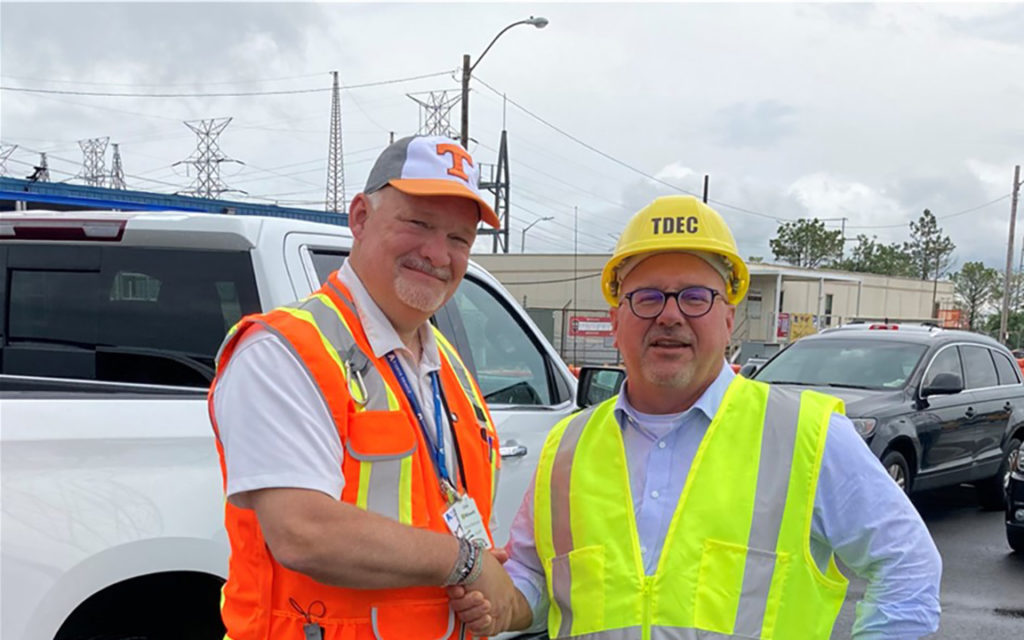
783, 302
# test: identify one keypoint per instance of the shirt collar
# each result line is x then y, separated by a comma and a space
380, 333
707, 403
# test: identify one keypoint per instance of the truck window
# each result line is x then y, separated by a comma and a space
140, 315
509, 366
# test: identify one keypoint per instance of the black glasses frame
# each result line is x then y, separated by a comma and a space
665, 295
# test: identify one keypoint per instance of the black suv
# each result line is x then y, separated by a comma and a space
937, 407
1015, 503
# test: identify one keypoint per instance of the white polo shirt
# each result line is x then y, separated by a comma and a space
274, 425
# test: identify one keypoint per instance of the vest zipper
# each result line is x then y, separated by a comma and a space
645, 593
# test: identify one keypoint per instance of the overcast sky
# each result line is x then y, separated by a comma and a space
872, 112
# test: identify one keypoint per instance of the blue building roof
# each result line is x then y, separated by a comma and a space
56, 195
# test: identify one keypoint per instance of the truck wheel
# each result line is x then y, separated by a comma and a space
992, 491
896, 465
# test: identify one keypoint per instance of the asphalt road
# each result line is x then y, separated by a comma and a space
982, 581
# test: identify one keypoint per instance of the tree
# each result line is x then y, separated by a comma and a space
1016, 290
871, 256
1014, 328
931, 252
807, 243
975, 287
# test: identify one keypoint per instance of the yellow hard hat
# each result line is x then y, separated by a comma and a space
677, 223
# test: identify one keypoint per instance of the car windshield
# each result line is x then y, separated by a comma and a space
866, 364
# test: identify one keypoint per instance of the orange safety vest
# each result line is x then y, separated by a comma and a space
387, 468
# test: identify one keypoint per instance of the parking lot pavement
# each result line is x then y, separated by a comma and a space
982, 581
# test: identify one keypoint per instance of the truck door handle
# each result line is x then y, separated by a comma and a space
513, 451
970, 412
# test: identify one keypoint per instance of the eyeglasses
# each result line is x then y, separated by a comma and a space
693, 302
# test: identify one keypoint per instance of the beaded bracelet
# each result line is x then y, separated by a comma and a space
463, 564
477, 566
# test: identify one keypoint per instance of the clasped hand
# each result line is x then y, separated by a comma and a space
489, 604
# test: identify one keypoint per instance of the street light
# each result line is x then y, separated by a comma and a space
467, 70
522, 243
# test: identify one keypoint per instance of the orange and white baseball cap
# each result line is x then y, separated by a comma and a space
430, 166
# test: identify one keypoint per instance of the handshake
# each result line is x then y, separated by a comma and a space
486, 601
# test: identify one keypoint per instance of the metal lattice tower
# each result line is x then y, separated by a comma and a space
5, 152
40, 172
116, 170
335, 156
93, 166
498, 184
435, 113
207, 158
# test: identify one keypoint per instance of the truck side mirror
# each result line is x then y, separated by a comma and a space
597, 384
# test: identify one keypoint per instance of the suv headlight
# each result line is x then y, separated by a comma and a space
866, 426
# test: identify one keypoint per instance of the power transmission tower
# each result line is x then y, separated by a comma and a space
498, 184
40, 172
435, 112
93, 166
116, 170
207, 158
335, 155
5, 152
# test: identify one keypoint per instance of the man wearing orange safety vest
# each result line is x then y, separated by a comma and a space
352, 440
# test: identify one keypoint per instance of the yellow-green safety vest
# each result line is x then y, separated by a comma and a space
736, 562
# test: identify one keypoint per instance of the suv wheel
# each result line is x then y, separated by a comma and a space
992, 491
896, 465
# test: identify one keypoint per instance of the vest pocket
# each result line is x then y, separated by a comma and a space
380, 445
427, 619
733, 584
577, 586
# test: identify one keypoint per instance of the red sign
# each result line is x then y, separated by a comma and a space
783, 331
590, 326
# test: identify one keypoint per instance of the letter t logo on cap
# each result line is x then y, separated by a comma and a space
459, 155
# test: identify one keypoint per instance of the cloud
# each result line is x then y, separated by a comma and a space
997, 23
755, 124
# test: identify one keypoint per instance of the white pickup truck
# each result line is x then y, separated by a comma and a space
111, 493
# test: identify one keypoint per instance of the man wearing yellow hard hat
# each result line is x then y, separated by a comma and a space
698, 504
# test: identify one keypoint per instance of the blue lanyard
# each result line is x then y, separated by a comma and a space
437, 447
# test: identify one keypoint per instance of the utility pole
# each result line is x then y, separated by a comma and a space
705, 188
575, 281
1005, 316
464, 118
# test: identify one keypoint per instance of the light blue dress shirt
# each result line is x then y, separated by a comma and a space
860, 514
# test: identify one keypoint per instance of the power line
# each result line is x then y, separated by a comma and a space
162, 84
110, 94
945, 217
625, 164
574, 279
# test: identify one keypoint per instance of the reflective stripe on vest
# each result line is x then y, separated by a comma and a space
739, 571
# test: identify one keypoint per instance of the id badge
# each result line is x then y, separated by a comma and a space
464, 521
